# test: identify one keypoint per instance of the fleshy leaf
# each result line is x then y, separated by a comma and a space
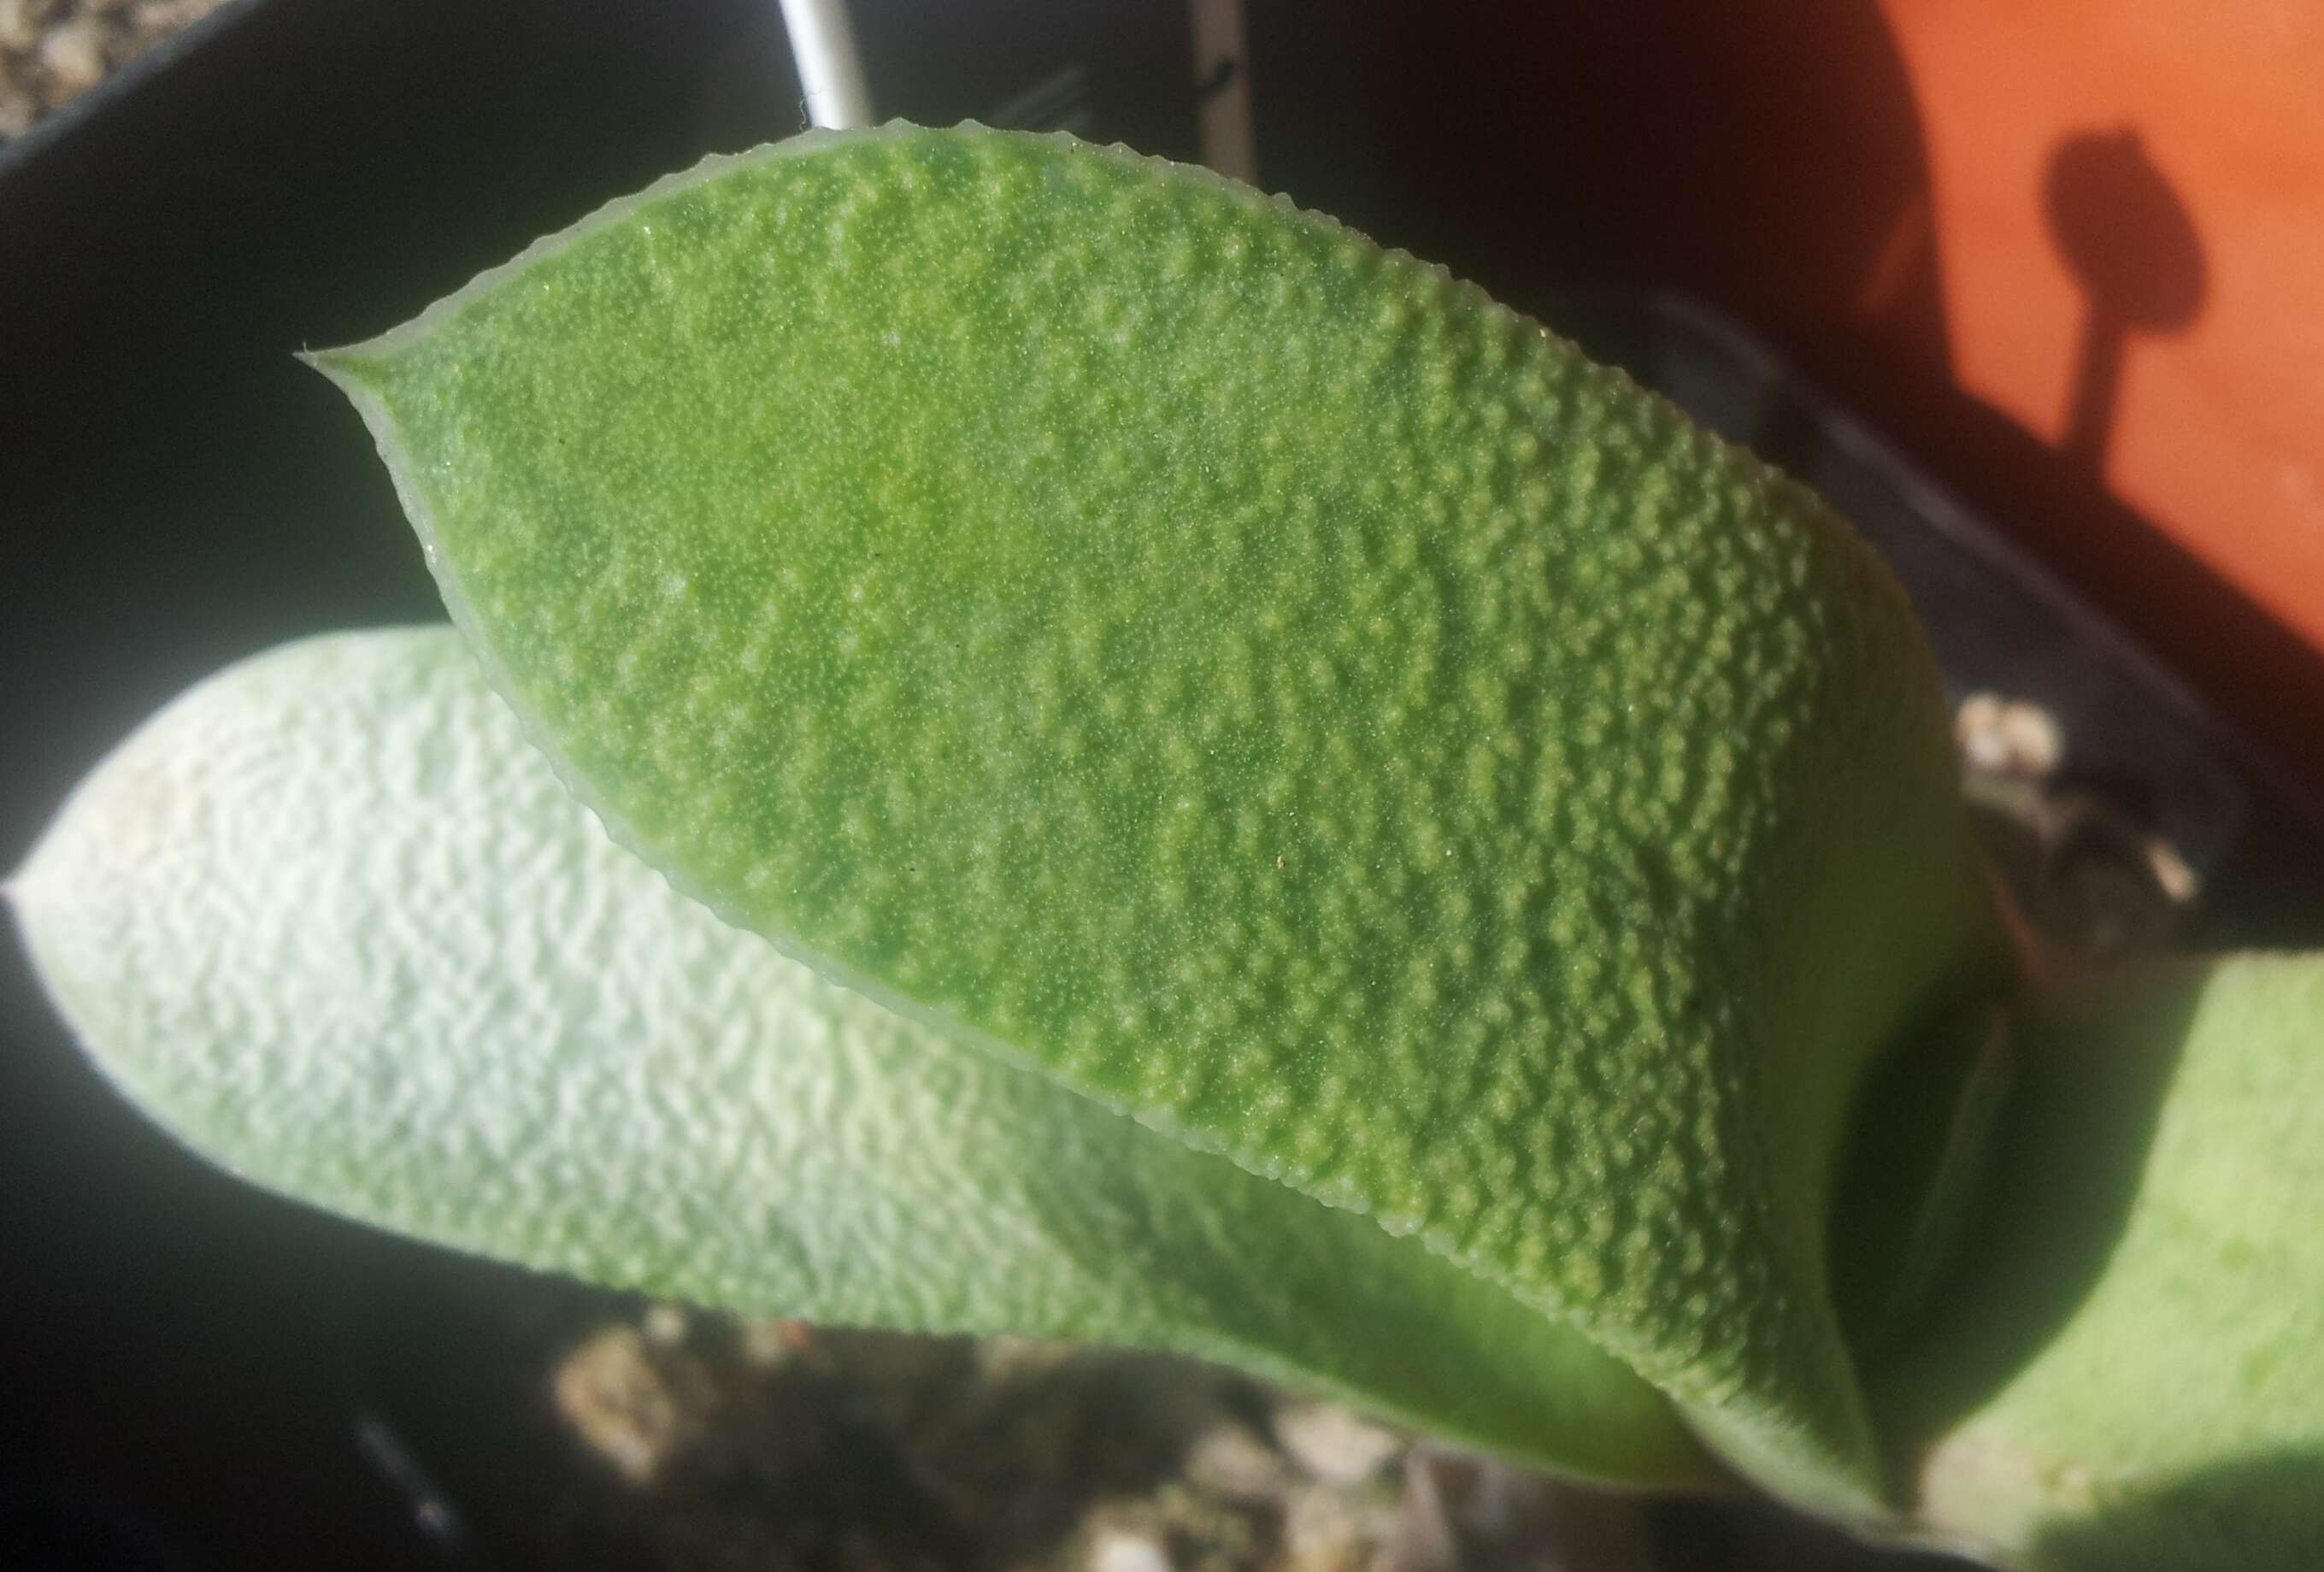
1157, 634
2129, 1370
330, 920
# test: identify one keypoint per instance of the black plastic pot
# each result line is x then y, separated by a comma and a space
197, 1374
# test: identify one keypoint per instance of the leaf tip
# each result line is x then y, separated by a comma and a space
20, 896
349, 368
16, 888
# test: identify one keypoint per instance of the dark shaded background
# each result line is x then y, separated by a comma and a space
193, 1374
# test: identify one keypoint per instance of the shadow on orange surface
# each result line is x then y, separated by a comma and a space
1775, 161
2133, 248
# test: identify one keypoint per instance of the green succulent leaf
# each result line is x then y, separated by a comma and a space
331, 920
2128, 1372
1156, 636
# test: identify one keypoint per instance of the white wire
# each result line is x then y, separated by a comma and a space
823, 42
1223, 119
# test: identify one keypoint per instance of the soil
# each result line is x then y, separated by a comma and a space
51, 52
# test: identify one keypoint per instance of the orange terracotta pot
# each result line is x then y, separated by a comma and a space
2126, 208
2069, 254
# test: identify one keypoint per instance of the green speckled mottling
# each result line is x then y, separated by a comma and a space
1250, 674
329, 920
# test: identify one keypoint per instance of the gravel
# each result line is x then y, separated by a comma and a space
51, 52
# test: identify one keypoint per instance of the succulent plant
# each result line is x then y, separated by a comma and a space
1261, 805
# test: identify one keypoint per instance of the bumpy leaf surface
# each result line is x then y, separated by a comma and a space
2129, 1372
330, 920
1159, 636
